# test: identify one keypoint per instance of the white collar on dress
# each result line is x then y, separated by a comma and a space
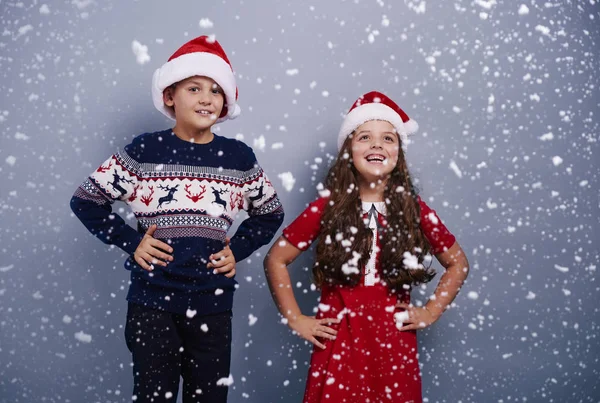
371, 208
379, 206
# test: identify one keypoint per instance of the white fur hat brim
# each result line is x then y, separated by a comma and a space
375, 111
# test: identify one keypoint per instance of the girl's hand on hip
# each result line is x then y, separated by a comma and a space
413, 318
151, 251
310, 328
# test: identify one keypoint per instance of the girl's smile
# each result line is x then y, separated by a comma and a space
376, 159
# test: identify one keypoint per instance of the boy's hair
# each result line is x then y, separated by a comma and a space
343, 215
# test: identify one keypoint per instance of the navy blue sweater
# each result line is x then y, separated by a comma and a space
192, 192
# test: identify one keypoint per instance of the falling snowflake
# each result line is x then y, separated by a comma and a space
141, 52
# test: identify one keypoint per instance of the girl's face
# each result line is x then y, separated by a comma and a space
375, 148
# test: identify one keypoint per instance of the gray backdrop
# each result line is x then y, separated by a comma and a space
506, 94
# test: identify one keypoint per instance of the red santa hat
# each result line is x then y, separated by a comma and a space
202, 56
376, 106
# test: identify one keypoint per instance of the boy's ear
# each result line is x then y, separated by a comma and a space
168, 96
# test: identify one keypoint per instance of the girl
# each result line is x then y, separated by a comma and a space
375, 236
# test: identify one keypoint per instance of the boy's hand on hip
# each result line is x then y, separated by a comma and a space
151, 251
223, 262
310, 328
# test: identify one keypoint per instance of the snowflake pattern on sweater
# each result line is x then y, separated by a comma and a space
181, 200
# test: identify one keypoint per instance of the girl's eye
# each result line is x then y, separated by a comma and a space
364, 137
389, 138
194, 89
216, 91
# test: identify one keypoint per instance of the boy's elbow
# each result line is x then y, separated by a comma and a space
280, 217
74, 204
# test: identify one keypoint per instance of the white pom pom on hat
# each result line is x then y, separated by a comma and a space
202, 56
376, 106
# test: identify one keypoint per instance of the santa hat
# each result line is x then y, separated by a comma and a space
202, 56
376, 106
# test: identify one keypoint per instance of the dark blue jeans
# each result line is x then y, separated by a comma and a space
166, 346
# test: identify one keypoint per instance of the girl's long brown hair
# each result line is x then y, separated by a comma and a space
345, 240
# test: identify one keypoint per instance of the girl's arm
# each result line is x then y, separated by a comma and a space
457, 269
281, 254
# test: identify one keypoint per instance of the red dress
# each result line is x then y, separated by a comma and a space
370, 360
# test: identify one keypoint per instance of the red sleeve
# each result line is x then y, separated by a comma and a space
434, 229
306, 227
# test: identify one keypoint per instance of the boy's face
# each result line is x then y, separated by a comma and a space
197, 101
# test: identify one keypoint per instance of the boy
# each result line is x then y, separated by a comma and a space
185, 186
